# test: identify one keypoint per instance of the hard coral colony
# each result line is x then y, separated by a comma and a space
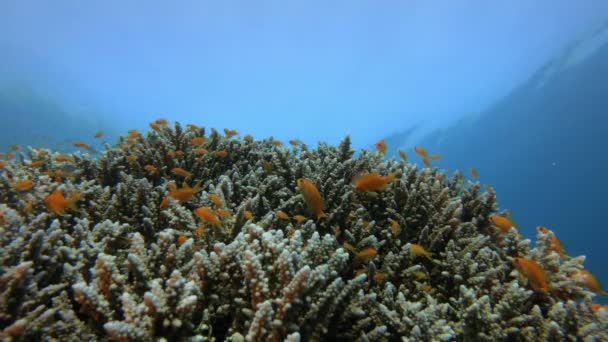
262, 242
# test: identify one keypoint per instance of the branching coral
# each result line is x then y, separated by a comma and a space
133, 262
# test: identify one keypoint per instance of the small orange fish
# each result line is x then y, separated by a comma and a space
62, 158
24, 185
200, 150
588, 280
381, 146
420, 251
282, 215
200, 231
230, 132
347, 246
395, 228
267, 167
294, 142
164, 204
217, 200
155, 126
473, 172
312, 197
208, 216
15, 147
372, 182
299, 218
37, 163
181, 172
223, 213
248, 215
436, 157
501, 222
10, 155
57, 203
181, 239
426, 162
403, 155
533, 272
161, 121
221, 153
276, 143
380, 277
185, 193
421, 151
27, 207
193, 127
198, 140
131, 159
3, 164
98, 135
150, 168
367, 253
555, 245
81, 144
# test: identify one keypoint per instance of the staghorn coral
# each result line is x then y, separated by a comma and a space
127, 265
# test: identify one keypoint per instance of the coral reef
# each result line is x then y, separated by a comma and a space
131, 260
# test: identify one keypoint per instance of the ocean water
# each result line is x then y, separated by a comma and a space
529, 113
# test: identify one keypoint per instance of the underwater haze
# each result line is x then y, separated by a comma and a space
503, 104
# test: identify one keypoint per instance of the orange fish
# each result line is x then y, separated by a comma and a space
312, 197
10, 155
372, 182
150, 168
426, 162
294, 142
436, 157
200, 231
395, 228
131, 159
57, 203
299, 218
181, 172
216, 199
282, 215
555, 244
37, 163
223, 213
200, 150
380, 277
198, 140
276, 143
381, 146
193, 127
3, 164
81, 144
248, 138
248, 215
161, 121
420, 251
185, 193
98, 134
208, 216
24, 185
230, 132
588, 280
473, 172
533, 272
221, 153
367, 253
403, 155
501, 222
155, 126
15, 147
421, 152
267, 167
61, 158
181, 239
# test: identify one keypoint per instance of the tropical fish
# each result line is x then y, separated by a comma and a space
421, 151
367, 253
372, 182
198, 140
420, 251
221, 153
282, 215
208, 216
216, 199
57, 203
555, 244
181, 172
63, 158
473, 172
501, 222
230, 132
381, 146
435, 157
161, 121
588, 280
403, 155
98, 134
185, 193
312, 197
24, 185
533, 272
426, 162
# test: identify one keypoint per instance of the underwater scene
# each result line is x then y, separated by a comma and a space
303, 170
